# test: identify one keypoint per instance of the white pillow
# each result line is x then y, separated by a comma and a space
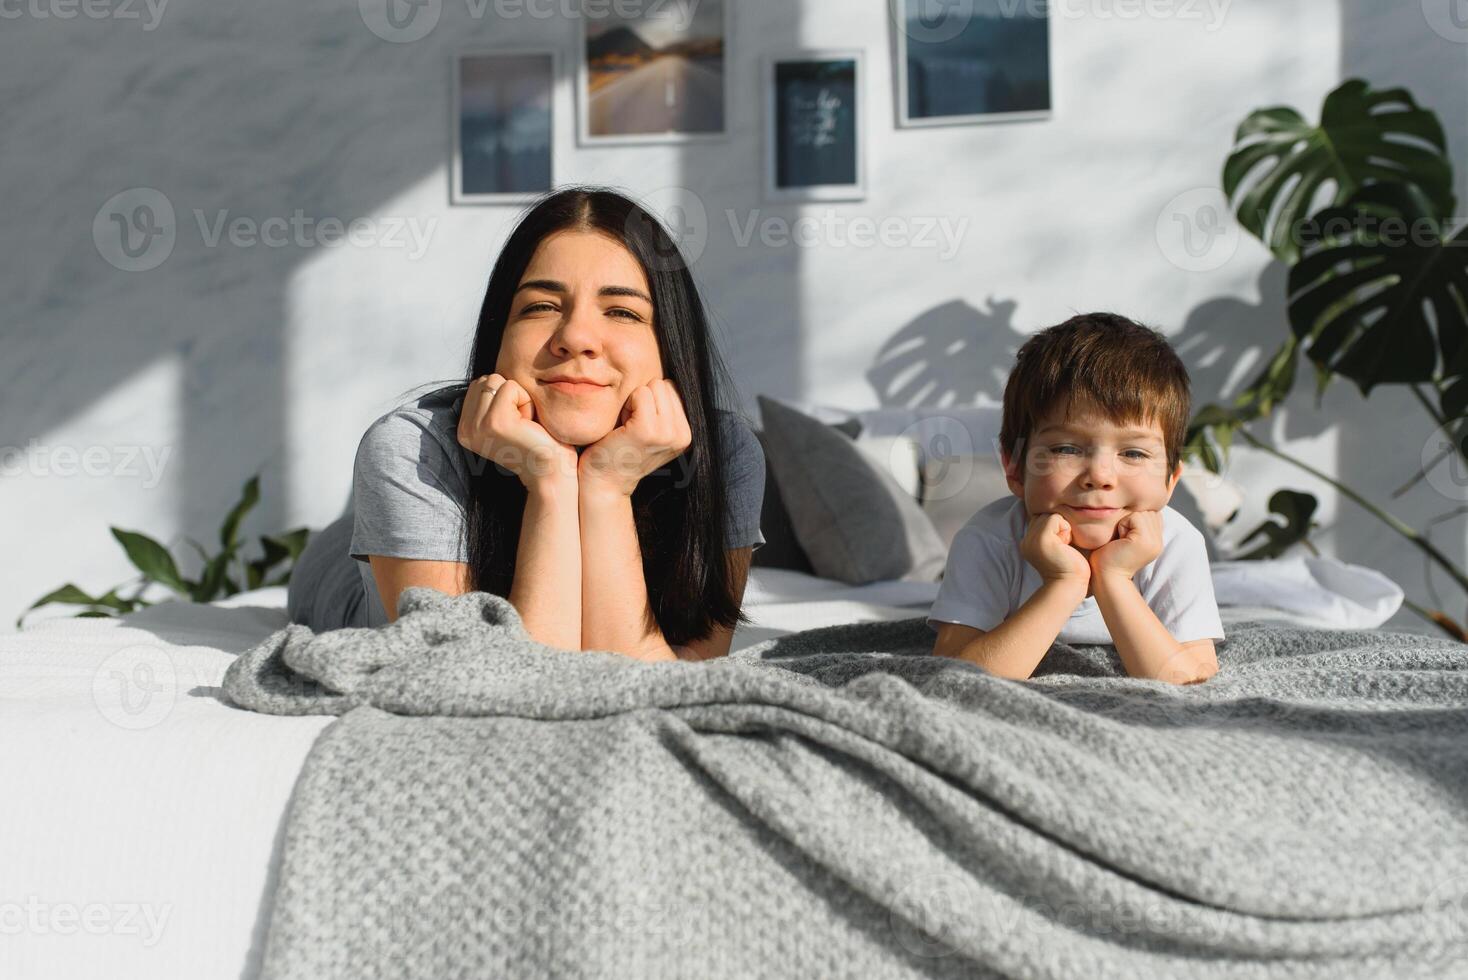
898, 456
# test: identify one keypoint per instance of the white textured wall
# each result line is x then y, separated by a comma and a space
174, 384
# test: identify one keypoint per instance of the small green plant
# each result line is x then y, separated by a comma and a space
214, 581
1297, 508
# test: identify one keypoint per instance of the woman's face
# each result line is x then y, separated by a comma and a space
583, 309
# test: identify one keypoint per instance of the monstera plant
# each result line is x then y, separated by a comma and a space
1359, 206
156, 565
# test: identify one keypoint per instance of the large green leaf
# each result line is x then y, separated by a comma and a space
151, 558
1280, 162
1378, 296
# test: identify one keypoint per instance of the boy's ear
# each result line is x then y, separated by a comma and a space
1172, 480
1012, 474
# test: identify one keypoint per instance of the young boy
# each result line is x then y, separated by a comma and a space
1087, 550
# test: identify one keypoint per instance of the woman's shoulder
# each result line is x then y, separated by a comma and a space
423, 429
438, 410
733, 426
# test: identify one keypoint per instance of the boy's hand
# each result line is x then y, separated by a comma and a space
1047, 547
1138, 540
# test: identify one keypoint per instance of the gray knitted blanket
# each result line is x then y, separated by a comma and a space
837, 802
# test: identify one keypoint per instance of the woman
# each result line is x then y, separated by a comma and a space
585, 472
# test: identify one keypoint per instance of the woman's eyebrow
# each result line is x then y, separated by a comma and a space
625, 291
553, 286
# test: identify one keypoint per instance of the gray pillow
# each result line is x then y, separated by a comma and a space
854, 521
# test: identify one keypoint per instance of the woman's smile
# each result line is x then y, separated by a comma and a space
575, 387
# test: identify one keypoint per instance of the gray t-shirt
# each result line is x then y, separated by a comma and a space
986, 579
410, 487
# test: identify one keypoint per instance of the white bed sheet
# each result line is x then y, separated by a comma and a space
141, 819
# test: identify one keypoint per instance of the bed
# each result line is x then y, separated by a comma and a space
141, 823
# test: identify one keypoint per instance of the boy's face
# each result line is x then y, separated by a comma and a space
1088, 461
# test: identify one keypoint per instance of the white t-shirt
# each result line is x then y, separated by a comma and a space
986, 579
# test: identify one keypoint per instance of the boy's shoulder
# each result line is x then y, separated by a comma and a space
1176, 527
1002, 518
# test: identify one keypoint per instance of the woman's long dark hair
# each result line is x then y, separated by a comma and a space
679, 509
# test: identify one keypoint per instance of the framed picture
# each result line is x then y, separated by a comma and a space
504, 126
975, 62
653, 74
815, 130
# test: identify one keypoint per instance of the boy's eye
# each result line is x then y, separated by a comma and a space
1069, 450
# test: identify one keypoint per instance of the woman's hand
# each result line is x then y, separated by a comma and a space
1047, 547
498, 423
652, 430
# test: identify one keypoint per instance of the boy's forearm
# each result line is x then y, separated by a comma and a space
1146, 648
1016, 646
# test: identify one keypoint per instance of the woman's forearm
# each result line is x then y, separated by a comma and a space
547, 587
615, 613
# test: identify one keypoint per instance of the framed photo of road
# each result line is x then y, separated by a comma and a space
504, 126
653, 71
815, 126
974, 61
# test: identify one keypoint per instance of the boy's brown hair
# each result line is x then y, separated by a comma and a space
1114, 366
